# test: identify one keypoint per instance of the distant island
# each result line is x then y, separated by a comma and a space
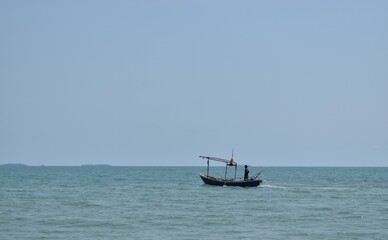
13, 165
96, 165
25, 165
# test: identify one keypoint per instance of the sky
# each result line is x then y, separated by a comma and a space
158, 83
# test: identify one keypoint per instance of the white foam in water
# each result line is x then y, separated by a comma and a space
272, 186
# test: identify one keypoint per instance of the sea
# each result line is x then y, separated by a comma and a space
109, 202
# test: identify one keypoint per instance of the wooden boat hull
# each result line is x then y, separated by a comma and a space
221, 182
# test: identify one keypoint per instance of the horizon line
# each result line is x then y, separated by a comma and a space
110, 165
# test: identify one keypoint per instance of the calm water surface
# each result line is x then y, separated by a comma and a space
172, 203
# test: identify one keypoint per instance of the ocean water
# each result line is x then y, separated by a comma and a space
102, 202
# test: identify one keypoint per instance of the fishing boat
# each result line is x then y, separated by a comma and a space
210, 180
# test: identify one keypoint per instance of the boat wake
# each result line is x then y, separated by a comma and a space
271, 186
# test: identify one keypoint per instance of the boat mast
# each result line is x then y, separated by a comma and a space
235, 166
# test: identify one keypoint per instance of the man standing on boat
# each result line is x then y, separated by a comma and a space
246, 173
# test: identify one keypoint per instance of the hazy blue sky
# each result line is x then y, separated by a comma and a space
294, 83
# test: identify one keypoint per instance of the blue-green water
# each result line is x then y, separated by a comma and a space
173, 203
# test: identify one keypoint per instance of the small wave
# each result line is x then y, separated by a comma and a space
334, 188
324, 188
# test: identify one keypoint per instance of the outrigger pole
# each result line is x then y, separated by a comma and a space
228, 163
